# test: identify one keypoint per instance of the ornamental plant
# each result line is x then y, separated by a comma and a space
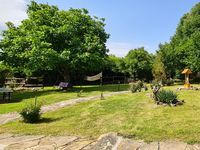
31, 113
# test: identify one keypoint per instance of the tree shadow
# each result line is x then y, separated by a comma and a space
105, 88
18, 96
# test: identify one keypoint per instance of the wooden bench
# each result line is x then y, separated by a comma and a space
6, 94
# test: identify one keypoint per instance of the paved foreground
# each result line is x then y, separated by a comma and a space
110, 141
5, 118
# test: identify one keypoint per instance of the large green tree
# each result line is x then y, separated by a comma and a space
68, 41
138, 64
183, 51
116, 64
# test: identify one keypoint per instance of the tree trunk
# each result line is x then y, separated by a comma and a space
64, 72
66, 77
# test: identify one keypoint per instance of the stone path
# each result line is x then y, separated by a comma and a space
5, 118
110, 141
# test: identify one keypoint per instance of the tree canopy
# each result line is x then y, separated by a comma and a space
183, 51
138, 64
50, 38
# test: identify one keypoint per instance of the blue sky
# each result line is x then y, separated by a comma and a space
132, 23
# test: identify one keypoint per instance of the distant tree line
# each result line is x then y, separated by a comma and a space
67, 45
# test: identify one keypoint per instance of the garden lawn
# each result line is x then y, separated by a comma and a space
131, 115
50, 95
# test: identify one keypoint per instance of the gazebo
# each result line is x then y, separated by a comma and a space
187, 72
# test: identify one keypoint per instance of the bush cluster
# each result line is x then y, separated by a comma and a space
166, 96
31, 113
137, 87
167, 82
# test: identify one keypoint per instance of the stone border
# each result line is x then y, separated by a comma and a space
110, 141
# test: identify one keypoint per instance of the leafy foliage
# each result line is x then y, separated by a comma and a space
5, 71
166, 96
31, 113
184, 48
137, 87
156, 84
158, 69
55, 39
116, 64
138, 64
168, 82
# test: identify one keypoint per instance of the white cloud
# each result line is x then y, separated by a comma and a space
121, 49
12, 10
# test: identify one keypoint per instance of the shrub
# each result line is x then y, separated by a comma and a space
31, 113
145, 88
168, 82
166, 96
134, 87
155, 84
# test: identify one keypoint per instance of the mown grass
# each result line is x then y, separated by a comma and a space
132, 115
50, 95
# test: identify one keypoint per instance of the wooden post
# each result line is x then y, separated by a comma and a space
101, 84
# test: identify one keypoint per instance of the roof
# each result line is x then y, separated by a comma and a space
186, 71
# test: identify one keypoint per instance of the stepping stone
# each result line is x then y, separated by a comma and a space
18, 139
172, 145
2, 147
79, 145
23, 145
57, 141
106, 142
43, 147
193, 147
150, 146
127, 144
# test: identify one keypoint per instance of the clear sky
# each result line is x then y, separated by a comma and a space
132, 23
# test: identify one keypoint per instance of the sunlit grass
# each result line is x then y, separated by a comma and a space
50, 95
133, 115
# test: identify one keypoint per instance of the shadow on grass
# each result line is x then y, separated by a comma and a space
18, 96
105, 88
44, 120
48, 120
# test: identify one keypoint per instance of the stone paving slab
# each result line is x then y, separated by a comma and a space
127, 144
5, 118
110, 141
172, 145
193, 147
150, 146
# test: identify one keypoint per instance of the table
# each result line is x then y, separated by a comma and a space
6, 93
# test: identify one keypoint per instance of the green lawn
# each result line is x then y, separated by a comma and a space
132, 115
50, 95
